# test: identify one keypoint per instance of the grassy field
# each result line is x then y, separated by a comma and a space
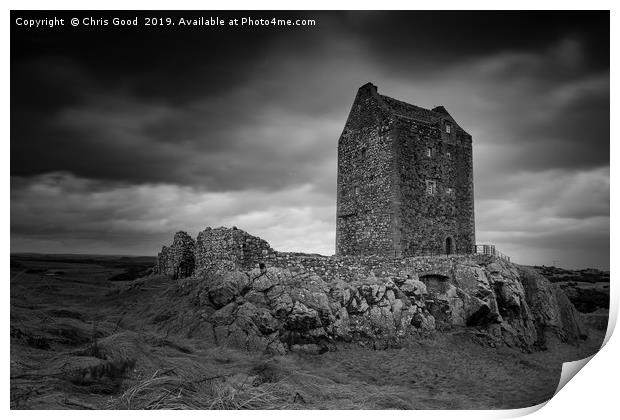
83, 339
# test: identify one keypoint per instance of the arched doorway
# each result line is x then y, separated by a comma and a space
449, 246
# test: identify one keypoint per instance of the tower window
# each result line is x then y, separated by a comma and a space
448, 128
363, 154
429, 152
357, 190
448, 155
450, 191
431, 187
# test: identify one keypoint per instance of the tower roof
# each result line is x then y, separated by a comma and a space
413, 112
403, 109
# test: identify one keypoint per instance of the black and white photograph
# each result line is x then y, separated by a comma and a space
306, 209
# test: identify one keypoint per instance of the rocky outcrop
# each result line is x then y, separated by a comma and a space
275, 310
177, 260
309, 303
554, 315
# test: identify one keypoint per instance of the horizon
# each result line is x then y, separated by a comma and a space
140, 134
155, 257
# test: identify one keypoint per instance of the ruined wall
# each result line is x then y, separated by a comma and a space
224, 249
227, 249
177, 260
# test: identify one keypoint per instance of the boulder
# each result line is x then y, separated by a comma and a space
553, 313
225, 315
413, 288
226, 287
302, 318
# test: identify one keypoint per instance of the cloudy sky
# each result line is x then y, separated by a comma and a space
122, 136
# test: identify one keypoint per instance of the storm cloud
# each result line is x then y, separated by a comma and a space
121, 137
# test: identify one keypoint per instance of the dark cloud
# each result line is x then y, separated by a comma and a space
121, 136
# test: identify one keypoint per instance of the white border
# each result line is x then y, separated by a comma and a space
592, 394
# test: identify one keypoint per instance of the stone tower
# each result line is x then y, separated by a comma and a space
405, 180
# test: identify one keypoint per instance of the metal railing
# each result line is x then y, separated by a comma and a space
490, 250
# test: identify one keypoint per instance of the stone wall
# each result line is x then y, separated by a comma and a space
427, 220
177, 260
223, 249
383, 167
365, 194
227, 249
350, 268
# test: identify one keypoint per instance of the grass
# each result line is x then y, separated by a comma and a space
141, 345
208, 393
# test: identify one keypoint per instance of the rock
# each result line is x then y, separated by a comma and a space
224, 316
248, 316
340, 327
257, 299
397, 308
313, 293
226, 287
413, 288
552, 311
357, 305
341, 294
372, 293
476, 312
279, 301
302, 318
573, 328
473, 281
423, 322
381, 319
265, 322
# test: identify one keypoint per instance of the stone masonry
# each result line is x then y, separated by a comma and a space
405, 180
177, 260
218, 249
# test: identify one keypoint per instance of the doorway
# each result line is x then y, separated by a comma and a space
449, 246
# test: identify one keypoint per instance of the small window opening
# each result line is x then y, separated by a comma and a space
357, 190
363, 154
448, 154
429, 152
431, 187
448, 128
450, 191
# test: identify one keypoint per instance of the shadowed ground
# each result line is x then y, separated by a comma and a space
80, 340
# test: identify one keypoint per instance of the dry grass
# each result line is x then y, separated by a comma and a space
142, 347
209, 393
